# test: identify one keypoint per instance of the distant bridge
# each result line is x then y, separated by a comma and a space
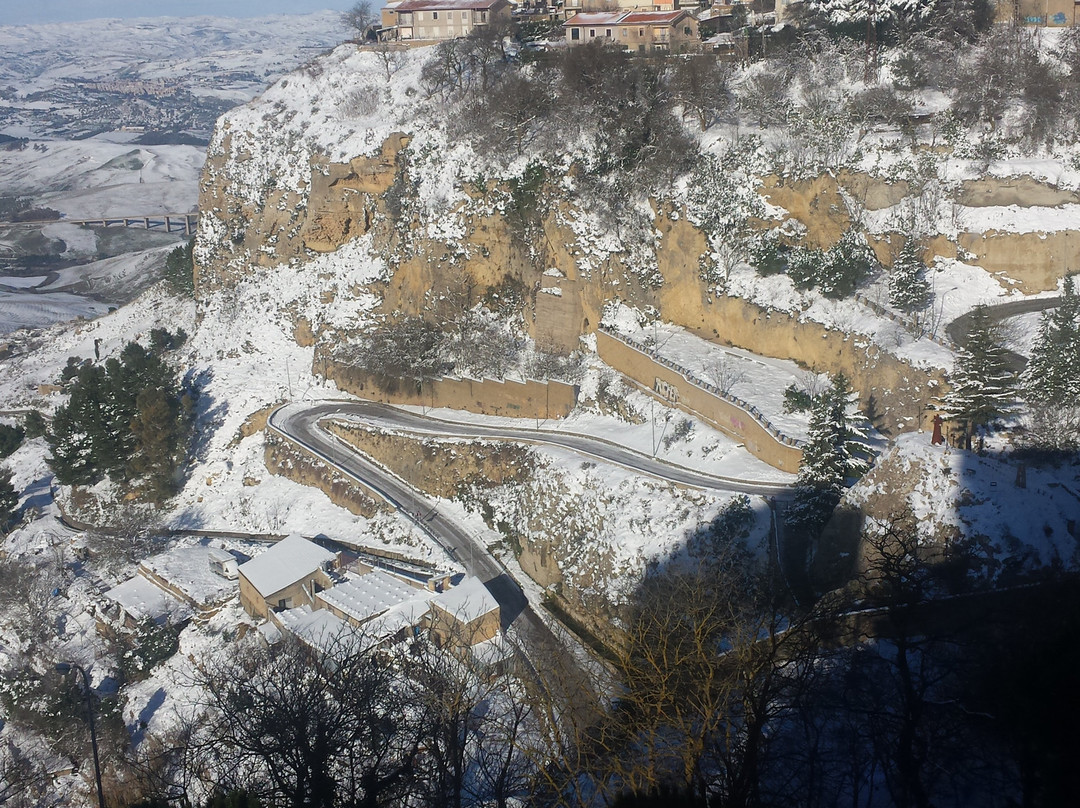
168, 222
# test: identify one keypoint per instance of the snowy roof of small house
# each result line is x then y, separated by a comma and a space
369, 595
467, 601
492, 651
594, 18
186, 567
598, 18
142, 599
290, 560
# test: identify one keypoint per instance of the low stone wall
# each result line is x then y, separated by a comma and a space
666, 381
288, 460
528, 399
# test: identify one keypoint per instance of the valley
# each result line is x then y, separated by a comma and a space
635, 433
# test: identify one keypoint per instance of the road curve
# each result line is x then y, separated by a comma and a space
301, 419
565, 678
958, 329
557, 669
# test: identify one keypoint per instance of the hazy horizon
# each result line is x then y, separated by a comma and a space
50, 11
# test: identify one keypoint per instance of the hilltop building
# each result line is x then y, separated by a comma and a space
639, 31
434, 20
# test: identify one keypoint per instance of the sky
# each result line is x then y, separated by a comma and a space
22, 12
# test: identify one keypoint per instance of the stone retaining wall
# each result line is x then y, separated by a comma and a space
527, 399
673, 384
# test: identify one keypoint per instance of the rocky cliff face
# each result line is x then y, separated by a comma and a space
309, 169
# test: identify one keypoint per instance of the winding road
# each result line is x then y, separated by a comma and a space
958, 329
300, 424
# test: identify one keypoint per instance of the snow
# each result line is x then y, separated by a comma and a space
467, 601
369, 595
187, 568
145, 600
290, 560
321, 629
964, 494
758, 381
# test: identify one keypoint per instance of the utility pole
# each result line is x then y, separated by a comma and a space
64, 668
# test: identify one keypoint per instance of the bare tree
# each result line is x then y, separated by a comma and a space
724, 372
309, 727
391, 56
361, 18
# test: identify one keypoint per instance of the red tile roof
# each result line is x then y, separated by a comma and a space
599, 18
652, 17
447, 5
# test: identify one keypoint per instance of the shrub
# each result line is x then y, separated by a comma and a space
11, 438
768, 255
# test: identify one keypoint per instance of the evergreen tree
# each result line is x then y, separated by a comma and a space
1051, 375
11, 438
909, 290
180, 269
159, 433
983, 384
833, 455
9, 497
846, 263
77, 435
34, 424
836, 271
123, 419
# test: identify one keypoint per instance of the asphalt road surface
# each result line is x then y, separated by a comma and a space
299, 422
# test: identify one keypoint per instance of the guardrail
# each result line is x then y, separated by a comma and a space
700, 383
910, 323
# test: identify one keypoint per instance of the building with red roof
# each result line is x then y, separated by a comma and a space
639, 30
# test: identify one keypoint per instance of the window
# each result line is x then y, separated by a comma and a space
641, 32
625, 33
575, 34
465, 15
483, 16
686, 30
592, 33
434, 15
607, 33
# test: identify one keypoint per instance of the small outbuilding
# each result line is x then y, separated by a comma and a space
465, 615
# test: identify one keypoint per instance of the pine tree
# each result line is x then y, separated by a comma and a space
180, 269
833, 455
160, 436
9, 497
123, 419
909, 290
842, 12
1051, 375
983, 384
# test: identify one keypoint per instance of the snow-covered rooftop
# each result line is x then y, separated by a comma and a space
291, 559
321, 629
142, 599
187, 567
467, 601
369, 595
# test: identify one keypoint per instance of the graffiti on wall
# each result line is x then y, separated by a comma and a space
666, 390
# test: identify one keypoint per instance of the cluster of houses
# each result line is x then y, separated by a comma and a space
666, 26
326, 599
